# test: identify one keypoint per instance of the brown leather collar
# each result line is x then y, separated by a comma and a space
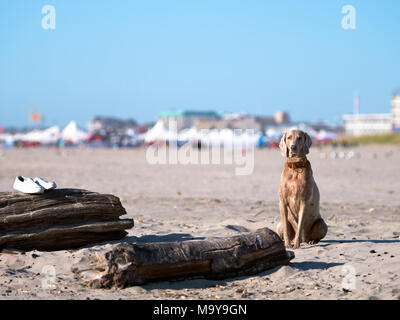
297, 164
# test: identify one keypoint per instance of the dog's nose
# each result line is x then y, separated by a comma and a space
292, 147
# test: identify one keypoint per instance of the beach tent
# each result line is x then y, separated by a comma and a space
157, 133
47, 136
51, 135
73, 134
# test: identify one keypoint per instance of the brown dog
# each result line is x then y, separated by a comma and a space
298, 194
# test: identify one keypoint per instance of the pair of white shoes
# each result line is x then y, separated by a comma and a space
33, 186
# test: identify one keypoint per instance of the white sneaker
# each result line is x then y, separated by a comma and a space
45, 184
27, 185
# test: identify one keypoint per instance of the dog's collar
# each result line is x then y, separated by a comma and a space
293, 163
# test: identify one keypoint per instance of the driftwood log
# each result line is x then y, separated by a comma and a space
213, 258
60, 219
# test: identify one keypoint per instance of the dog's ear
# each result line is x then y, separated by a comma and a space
307, 143
283, 146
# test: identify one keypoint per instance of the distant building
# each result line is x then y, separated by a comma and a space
213, 124
264, 122
364, 124
109, 124
281, 117
213, 120
243, 121
395, 104
187, 118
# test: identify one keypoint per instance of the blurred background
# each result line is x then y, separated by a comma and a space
113, 73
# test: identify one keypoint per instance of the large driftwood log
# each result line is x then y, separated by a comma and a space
60, 219
214, 258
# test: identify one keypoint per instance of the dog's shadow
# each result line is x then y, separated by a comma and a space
202, 283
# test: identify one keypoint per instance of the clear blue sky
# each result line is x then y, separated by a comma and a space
136, 58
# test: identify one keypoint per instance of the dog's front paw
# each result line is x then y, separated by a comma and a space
296, 244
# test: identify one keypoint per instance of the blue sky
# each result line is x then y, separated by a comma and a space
137, 58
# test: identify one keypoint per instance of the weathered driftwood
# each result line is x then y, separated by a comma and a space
60, 219
214, 258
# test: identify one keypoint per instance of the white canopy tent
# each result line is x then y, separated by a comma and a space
157, 133
72, 133
47, 136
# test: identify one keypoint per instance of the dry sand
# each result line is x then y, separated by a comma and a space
359, 202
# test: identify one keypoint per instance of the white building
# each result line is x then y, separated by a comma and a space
396, 111
363, 124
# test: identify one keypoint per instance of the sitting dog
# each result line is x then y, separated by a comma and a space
301, 221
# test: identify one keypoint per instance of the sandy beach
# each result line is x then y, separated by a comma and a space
359, 202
